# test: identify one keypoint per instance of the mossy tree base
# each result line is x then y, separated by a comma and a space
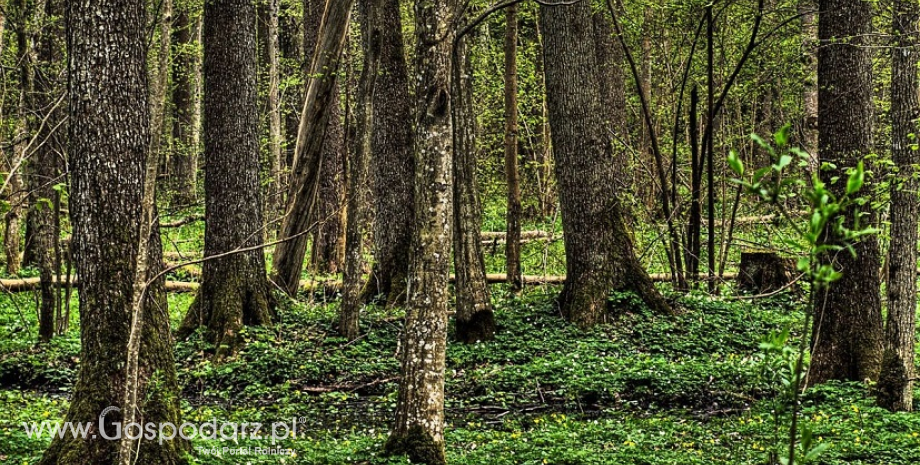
418, 445
228, 300
480, 327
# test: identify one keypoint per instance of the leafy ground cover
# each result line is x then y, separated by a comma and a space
641, 389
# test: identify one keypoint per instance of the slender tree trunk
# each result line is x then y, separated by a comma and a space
513, 217
109, 144
327, 253
16, 194
847, 339
234, 289
393, 162
599, 251
419, 427
695, 215
185, 133
309, 152
475, 320
275, 129
895, 382
809, 87
358, 172
45, 173
544, 160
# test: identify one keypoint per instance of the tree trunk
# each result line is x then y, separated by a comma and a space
109, 144
45, 173
309, 152
847, 338
895, 382
419, 427
393, 163
357, 173
274, 203
513, 217
475, 320
234, 289
328, 251
809, 87
185, 133
16, 194
609, 55
599, 251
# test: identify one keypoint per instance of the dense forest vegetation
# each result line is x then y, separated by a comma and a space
442, 231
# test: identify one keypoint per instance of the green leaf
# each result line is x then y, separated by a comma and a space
857, 177
735, 163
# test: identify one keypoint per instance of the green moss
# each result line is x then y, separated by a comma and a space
418, 445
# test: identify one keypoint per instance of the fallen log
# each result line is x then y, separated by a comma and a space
28, 284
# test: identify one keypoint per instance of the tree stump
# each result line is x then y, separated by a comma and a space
763, 272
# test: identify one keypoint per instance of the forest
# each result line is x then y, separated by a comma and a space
483, 232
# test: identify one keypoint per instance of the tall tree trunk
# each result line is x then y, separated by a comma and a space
847, 339
599, 251
16, 195
609, 55
328, 251
419, 427
809, 87
185, 132
309, 152
234, 289
544, 160
275, 130
393, 162
475, 320
109, 144
358, 170
513, 217
895, 382
45, 173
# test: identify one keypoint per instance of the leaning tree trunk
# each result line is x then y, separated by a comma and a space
599, 250
328, 251
185, 135
234, 289
513, 216
393, 164
896, 380
847, 337
109, 139
419, 427
475, 320
308, 152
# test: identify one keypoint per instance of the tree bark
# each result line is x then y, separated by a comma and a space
513, 216
328, 251
393, 163
474, 319
234, 289
419, 427
895, 385
847, 337
16, 195
352, 301
809, 87
185, 133
599, 251
109, 144
309, 153
609, 55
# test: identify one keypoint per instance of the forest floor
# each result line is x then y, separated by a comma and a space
696, 388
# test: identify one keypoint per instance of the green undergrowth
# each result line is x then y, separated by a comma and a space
640, 389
